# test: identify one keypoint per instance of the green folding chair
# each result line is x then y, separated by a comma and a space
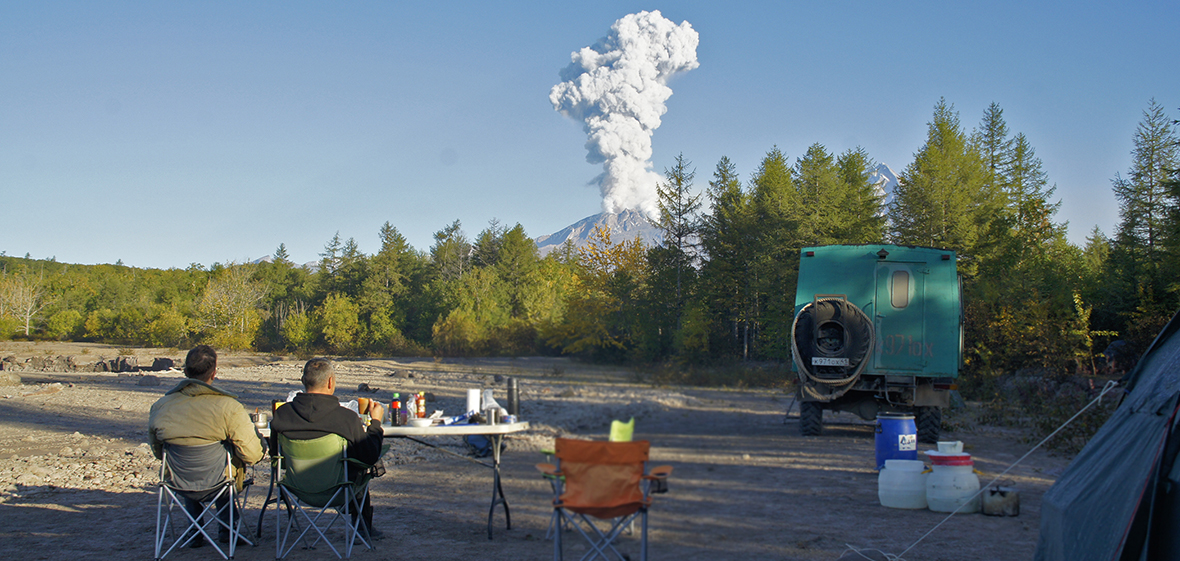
315, 484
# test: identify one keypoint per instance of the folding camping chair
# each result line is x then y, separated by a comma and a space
314, 483
199, 475
619, 432
604, 480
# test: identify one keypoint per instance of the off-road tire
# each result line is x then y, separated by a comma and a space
929, 421
811, 418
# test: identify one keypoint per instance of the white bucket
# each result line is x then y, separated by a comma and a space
902, 484
949, 487
950, 446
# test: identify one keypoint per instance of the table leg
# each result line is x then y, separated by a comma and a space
497, 490
269, 491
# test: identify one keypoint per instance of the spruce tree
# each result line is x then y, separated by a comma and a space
727, 243
1139, 262
864, 215
820, 197
941, 199
775, 256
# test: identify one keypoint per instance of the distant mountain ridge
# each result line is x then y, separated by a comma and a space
885, 181
624, 226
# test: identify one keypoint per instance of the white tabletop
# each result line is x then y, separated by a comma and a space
456, 430
444, 430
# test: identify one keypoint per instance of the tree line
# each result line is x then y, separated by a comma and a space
720, 287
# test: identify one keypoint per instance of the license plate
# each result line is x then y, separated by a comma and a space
823, 361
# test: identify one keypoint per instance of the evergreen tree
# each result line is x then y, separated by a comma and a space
727, 235
991, 139
678, 207
671, 264
1144, 200
820, 197
451, 253
1028, 194
517, 268
281, 255
862, 208
486, 250
941, 198
330, 259
383, 289
1139, 264
775, 257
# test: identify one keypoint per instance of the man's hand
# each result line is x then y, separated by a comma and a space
376, 410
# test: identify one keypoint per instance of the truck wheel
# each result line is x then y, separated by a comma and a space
811, 418
929, 421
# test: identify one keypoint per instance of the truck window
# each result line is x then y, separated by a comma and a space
899, 290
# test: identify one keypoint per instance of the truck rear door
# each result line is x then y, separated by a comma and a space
899, 317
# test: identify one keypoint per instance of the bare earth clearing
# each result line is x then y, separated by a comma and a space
77, 480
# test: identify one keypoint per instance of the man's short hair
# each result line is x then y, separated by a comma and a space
200, 362
316, 373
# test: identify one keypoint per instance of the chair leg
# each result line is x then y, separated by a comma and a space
161, 528
643, 537
557, 535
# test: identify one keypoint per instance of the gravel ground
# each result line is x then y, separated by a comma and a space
77, 480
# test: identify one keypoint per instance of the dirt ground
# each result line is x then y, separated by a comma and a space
78, 482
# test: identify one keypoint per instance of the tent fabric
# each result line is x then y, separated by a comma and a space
1116, 500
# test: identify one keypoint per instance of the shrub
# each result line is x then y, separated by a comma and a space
339, 323
168, 329
298, 331
64, 324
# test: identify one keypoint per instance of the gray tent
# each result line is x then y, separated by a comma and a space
1120, 498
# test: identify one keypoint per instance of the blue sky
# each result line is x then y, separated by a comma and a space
168, 133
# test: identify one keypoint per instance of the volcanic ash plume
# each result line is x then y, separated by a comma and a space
618, 88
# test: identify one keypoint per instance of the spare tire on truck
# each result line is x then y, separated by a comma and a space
833, 341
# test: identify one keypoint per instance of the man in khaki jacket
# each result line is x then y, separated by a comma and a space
195, 412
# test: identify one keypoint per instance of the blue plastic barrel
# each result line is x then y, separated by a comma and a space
897, 438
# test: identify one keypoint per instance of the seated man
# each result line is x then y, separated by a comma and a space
316, 412
194, 412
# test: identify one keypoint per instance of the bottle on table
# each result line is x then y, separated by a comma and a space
421, 405
395, 410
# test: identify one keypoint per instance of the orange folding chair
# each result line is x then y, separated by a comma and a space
604, 480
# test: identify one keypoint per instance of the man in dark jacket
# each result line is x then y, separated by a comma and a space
316, 412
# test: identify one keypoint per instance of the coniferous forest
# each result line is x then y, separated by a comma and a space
719, 289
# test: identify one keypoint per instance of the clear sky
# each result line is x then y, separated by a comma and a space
168, 133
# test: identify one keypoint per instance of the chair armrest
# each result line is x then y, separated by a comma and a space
657, 479
549, 470
357, 463
659, 472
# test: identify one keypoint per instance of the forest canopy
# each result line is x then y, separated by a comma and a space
720, 287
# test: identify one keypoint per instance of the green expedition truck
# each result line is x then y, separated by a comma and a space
878, 328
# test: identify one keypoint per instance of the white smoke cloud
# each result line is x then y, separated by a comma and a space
618, 88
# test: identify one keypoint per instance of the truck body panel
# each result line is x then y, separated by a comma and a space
877, 327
